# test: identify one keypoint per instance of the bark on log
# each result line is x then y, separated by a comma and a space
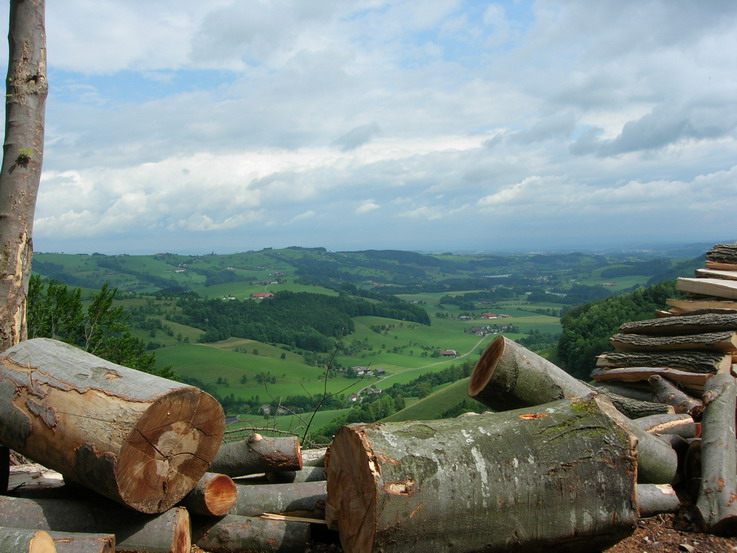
558, 477
16, 540
508, 375
4, 469
636, 409
680, 306
694, 382
726, 289
168, 532
641, 392
716, 265
694, 361
307, 474
258, 454
725, 342
302, 499
668, 393
139, 439
73, 542
654, 499
723, 253
717, 500
680, 424
214, 495
314, 457
236, 534
683, 325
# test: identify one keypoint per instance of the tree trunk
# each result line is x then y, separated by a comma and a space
214, 495
685, 324
302, 499
558, 477
134, 437
509, 375
25, 100
669, 394
680, 424
654, 499
307, 474
168, 532
717, 500
693, 361
237, 534
258, 454
17, 540
74, 542
725, 342
717, 287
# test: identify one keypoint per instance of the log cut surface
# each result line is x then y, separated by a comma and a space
139, 439
718, 287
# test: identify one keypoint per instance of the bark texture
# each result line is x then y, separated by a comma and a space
301, 499
25, 105
258, 454
669, 394
17, 540
238, 534
694, 361
75, 542
558, 477
654, 499
685, 324
725, 342
139, 439
168, 532
717, 499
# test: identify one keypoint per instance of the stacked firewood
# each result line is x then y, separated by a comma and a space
133, 462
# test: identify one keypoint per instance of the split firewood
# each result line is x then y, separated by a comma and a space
636, 409
683, 325
551, 477
725, 342
307, 474
694, 382
717, 500
214, 495
718, 287
74, 542
139, 439
681, 424
692, 361
258, 454
169, 531
722, 253
668, 393
305, 498
22, 540
726, 274
509, 375
655, 499
714, 305
236, 534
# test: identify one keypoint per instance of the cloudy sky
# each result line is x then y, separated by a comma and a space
432, 125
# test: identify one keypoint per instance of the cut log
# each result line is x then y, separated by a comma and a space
725, 342
258, 454
717, 500
641, 392
717, 287
509, 375
680, 306
717, 273
683, 325
693, 361
73, 542
314, 457
722, 253
307, 474
680, 424
237, 534
301, 499
139, 439
214, 495
669, 394
4, 469
17, 540
655, 499
636, 409
557, 477
168, 532
694, 382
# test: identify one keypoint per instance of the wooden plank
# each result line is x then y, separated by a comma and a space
708, 287
686, 324
710, 341
717, 273
680, 306
693, 381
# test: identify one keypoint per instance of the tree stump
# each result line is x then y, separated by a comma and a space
558, 477
139, 439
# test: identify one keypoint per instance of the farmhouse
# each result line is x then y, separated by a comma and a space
262, 295
449, 353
